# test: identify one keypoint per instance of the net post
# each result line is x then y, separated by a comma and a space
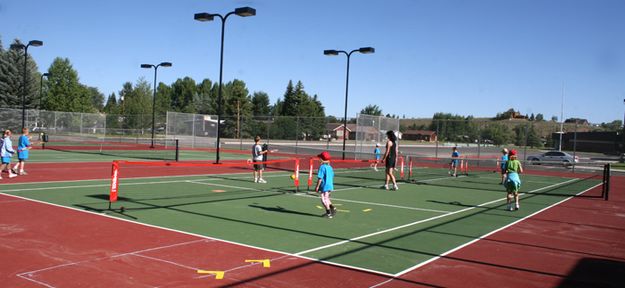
177, 150
113, 193
401, 169
410, 167
296, 175
310, 173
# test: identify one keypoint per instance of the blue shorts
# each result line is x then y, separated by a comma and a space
22, 155
6, 160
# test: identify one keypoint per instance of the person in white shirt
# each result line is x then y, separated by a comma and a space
257, 156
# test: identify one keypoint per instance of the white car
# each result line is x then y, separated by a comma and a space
553, 157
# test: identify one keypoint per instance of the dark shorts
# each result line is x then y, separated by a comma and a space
454, 163
390, 163
258, 167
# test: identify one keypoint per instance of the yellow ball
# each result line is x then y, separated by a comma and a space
293, 176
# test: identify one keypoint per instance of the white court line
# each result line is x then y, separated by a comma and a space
36, 281
416, 222
29, 273
93, 185
377, 204
123, 184
223, 185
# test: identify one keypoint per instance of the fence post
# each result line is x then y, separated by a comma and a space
574, 145
438, 135
193, 131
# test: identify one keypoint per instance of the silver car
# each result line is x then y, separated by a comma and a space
553, 157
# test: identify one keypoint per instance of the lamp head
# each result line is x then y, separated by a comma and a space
46, 74
146, 65
203, 17
35, 43
165, 64
366, 50
245, 11
330, 52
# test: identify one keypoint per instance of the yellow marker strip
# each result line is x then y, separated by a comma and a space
266, 262
320, 207
337, 204
218, 274
341, 210
367, 210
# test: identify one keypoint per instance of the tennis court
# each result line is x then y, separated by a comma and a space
377, 236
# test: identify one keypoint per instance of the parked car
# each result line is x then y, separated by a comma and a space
553, 157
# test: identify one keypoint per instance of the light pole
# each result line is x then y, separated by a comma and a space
363, 50
623, 151
243, 12
164, 64
41, 87
34, 43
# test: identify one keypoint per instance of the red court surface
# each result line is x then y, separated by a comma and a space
578, 243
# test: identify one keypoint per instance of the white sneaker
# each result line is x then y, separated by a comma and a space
11, 175
376, 169
255, 180
384, 187
517, 206
23, 173
395, 187
261, 180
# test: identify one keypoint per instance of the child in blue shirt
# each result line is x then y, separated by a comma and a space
378, 155
23, 145
453, 165
6, 152
503, 165
325, 183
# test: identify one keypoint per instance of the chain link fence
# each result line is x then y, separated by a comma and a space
476, 138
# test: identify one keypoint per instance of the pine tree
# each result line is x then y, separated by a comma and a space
290, 103
260, 104
10, 79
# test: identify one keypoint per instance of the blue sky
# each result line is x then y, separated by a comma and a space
477, 57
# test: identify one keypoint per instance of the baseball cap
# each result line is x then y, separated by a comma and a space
512, 152
325, 156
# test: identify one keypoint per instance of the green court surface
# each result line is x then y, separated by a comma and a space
52, 156
376, 230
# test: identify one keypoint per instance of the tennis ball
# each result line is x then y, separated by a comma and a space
293, 176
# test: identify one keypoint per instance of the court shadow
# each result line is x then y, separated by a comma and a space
595, 272
281, 210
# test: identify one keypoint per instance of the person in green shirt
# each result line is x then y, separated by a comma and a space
513, 181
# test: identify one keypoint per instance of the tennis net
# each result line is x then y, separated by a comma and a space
125, 148
226, 170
